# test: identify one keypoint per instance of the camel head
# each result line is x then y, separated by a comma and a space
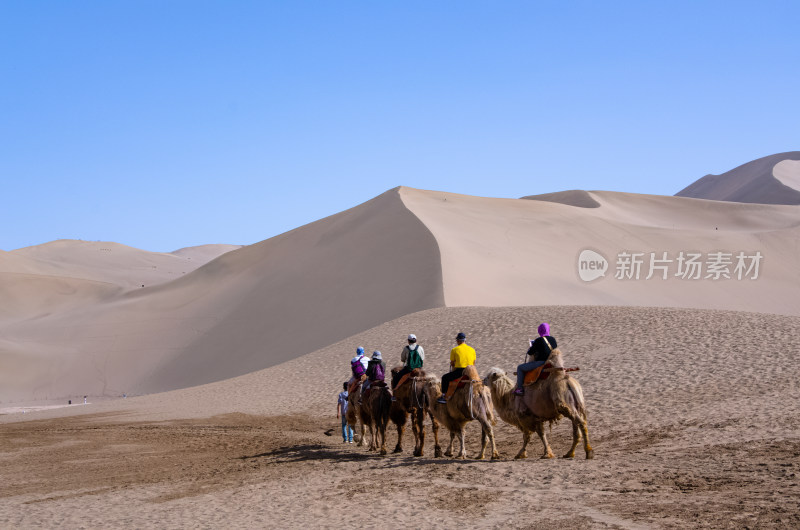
497, 380
493, 375
432, 387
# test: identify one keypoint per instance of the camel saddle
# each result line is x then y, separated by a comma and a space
543, 372
470, 375
356, 383
416, 372
374, 384
538, 374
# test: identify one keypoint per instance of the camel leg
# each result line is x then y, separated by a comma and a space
586, 445
487, 435
495, 454
363, 435
548, 453
526, 438
437, 449
418, 419
576, 437
382, 432
449, 451
463, 453
399, 447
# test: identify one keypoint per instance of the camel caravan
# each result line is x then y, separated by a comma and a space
543, 393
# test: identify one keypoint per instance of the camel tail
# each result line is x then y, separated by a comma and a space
577, 397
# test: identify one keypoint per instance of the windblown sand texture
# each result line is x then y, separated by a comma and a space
232, 358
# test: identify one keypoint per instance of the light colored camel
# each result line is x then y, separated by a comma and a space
544, 401
411, 399
473, 401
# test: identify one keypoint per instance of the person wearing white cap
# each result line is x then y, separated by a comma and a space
412, 357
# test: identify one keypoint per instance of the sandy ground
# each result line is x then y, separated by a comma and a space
694, 416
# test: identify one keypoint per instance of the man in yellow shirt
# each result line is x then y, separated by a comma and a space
461, 356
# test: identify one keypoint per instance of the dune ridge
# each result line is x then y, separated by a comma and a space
753, 182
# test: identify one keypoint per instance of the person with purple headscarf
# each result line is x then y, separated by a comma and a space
537, 355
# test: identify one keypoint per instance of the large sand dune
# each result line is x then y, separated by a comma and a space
249, 309
401, 252
767, 180
519, 252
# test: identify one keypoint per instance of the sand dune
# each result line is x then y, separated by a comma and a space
401, 252
756, 181
113, 263
513, 252
249, 309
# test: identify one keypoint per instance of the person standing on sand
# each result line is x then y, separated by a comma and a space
461, 356
412, 356
537, 355
341, 408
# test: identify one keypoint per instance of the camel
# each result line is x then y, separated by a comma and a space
544, 401
356, 412
378, 403
411, 399
473, 401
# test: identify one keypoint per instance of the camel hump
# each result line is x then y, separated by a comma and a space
470, 372
397, 369
418, 372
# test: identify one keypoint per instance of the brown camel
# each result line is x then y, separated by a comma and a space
544, 401
411, 399
356, 413
378, 402
473, 401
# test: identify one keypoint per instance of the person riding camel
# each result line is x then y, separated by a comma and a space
412, 356
358, 367
376, 369
537, 355
461, 356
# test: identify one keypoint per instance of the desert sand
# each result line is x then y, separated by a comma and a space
232, 358
693, 420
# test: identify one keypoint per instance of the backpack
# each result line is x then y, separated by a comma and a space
376, 371
357, 367
414, 360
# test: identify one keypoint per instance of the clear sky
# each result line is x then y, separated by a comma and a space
165, 124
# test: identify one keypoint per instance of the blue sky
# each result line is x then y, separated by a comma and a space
167, 124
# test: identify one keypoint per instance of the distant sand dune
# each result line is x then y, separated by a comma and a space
754, 181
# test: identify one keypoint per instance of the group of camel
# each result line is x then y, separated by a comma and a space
544, 401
